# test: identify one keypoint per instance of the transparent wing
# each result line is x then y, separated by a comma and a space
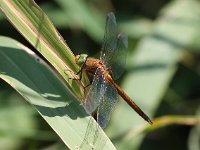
110, 39
94, 95
114, 47
118, 60
107, 105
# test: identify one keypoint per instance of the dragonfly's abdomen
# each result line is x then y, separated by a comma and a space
129, 100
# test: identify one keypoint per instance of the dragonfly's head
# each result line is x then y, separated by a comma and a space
80, 59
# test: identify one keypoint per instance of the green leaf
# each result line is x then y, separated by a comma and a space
41, 87
180, 25
137, 27
34, 25
78, 14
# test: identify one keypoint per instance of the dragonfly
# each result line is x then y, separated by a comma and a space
102, 96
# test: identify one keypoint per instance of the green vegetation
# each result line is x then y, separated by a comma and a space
162, 74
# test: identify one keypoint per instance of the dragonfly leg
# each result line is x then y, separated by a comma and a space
77, 73
73, 78
80, 72
85, 87
88, 84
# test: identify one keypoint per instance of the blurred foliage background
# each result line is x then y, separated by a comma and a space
162, 72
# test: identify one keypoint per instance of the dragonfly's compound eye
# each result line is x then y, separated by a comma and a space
80, 59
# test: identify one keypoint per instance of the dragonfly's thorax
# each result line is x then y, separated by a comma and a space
91, 66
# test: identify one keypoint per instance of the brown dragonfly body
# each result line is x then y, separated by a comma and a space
102, 95
90, 66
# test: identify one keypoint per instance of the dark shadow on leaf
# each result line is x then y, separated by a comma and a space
39, 78
63, 111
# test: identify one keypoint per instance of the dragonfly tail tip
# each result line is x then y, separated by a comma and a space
150, 121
